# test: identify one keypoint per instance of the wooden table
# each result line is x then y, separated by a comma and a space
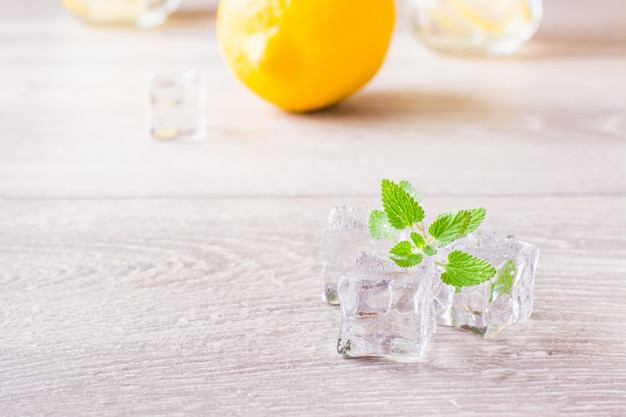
146, 278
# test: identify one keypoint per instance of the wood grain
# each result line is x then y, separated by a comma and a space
551, 120
213, 306
183, 279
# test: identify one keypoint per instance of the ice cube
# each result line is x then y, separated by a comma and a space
343, 240
507, 298
176, 106
386, 310
442, 296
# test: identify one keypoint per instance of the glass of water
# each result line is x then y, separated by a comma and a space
142, 13
475, 27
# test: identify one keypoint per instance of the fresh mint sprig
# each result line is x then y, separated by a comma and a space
402, 212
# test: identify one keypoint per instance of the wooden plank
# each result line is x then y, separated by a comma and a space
72, 118
212, 307
146, 278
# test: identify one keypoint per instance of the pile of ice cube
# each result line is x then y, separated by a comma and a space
393, 312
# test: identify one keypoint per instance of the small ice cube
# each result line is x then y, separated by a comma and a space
386, 310
343, 240
507, 298
442, 297
176, 106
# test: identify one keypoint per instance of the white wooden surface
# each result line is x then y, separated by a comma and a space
146, 278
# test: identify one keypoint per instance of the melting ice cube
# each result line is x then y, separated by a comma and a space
343, 240
386, 310
507, 298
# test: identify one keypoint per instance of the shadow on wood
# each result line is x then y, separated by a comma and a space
403, 105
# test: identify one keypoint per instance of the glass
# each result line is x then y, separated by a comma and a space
475, 27
176, 106
143, 13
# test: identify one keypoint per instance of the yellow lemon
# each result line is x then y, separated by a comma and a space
304, 55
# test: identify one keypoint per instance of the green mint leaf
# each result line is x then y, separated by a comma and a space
410, 190
418, 240
379, 226
465, 270
449, 227
504, 283
429, 250
402, 210
403, 255
477, 217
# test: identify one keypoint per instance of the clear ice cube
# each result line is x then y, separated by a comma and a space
507, 298
386, 310
176, 106
442, 296
343, 240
